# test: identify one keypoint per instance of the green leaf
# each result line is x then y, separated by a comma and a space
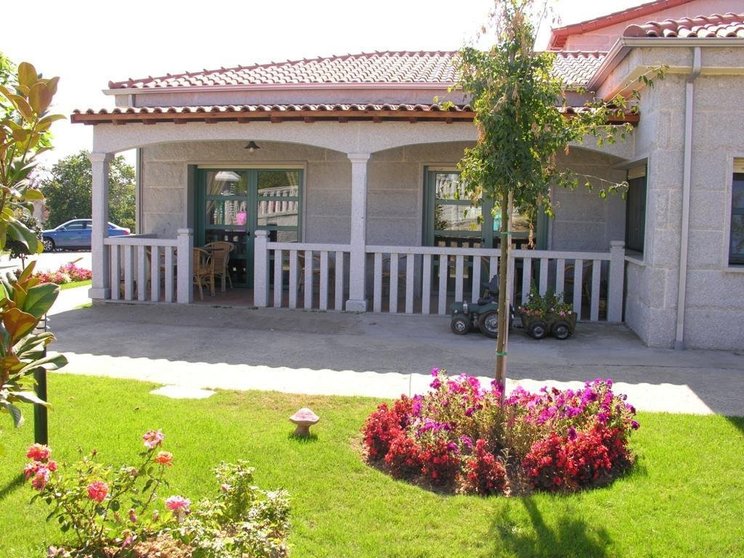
33, 194
27, 74
51, 362
40, 299
15, 413
30, 397
18, 323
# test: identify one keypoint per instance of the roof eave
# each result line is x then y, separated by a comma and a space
623, 46
419, 86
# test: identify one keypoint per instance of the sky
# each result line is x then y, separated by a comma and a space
89, 43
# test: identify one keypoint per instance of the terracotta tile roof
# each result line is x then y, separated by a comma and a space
366, 68
703, 27
575, 69
559, 35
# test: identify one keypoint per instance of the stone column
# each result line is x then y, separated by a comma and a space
357, 275
101, 288
617, 277
184, 280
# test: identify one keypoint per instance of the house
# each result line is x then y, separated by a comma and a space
335, 178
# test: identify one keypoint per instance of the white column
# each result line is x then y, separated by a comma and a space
261, 269
357, 276
617, 277
185, 267
99, 253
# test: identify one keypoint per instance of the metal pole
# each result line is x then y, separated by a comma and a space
41, 426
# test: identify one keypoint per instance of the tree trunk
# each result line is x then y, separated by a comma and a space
505, 245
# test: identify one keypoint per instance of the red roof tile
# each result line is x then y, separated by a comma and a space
714, 26
575, 69
368, 68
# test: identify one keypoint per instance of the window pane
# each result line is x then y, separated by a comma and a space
738, 195
450, 217
226, 183
278, 183
278, 199
447, 186
737, 239
227, 212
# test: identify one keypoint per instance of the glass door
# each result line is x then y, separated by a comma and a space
234, 203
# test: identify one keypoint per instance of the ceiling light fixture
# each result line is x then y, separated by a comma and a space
252, 147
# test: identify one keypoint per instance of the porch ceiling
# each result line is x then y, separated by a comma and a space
306, 113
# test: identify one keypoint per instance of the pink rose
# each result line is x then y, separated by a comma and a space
41, 478
39, 452
153, 438
97, 491
164, 458
178, 504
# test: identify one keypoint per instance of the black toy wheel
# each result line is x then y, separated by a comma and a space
538, 329
561, 330
459, 325
488, 323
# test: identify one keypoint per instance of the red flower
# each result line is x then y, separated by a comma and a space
97, 491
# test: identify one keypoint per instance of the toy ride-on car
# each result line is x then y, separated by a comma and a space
482, 313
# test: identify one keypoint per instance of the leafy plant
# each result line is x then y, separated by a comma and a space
23, 302
460, 437
538, 305
117, 512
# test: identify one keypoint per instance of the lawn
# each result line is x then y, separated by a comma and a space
683, 499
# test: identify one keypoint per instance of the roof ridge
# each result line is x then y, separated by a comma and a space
274, 64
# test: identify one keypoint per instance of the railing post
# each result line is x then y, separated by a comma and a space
617, 277
101, 288
184, 288
261, 269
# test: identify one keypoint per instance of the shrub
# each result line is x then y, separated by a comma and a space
68, 273
459, 436
117, 512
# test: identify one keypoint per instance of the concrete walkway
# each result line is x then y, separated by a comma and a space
376, 355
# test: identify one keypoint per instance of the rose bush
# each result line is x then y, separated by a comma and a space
68, 273
117, 512
461, 437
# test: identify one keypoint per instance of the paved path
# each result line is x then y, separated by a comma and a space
375, 355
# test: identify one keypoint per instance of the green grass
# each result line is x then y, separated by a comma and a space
683, 499
75, 284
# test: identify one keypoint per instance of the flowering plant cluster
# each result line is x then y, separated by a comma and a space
549, 304
117, 512
68, 273
461, 437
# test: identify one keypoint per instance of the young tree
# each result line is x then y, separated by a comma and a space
521, 130
68, 190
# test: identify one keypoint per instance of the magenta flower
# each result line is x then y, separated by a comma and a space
153, 438
97, 491
178, 504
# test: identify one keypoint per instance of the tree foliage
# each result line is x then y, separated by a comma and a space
522, 128
68, 190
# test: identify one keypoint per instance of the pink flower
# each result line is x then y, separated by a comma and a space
97, 491
164, 458
41, 478
39, 452
153, 438
178, 504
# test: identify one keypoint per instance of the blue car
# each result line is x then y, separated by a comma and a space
75, 234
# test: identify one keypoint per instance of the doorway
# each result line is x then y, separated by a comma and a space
232, 204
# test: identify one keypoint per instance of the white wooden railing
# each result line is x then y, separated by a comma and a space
415, 279
145, 268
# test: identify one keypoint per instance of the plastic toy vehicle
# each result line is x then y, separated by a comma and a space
482, 313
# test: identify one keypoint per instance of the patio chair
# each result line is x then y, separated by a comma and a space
220, 252
203, 271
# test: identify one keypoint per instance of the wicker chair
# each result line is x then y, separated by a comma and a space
220, 251
203, 271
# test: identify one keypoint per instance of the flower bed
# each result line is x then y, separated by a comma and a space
459, 437
117, 512
68, 273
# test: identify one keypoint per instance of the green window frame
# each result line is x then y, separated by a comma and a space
736, 228
635, 209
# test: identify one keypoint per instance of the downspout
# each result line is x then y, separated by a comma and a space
679, 342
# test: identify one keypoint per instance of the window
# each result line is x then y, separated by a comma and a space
736, 241
635, 209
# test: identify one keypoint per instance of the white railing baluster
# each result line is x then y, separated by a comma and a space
339, 283
409, 283
578, 280
393, 303
141, 274
128, 273
115, 262
278, 277
543, 275
377, 289
293, 279
308, 302
459, 277
476, 278
323, 302
526, 278
560, 276
596, 277
443, 274
155, 274
426, 285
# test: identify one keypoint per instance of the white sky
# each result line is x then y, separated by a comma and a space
89, 43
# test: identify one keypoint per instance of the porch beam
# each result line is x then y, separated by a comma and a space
101, 288
357, 301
